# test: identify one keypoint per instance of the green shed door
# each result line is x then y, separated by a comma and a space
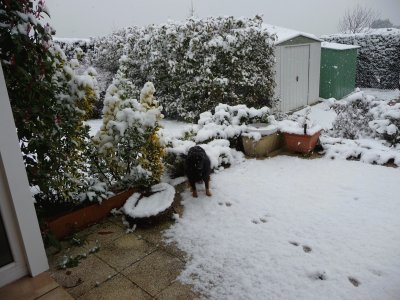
338, 72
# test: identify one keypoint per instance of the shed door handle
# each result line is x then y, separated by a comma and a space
297, 78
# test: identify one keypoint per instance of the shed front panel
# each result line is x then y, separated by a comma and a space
294, 76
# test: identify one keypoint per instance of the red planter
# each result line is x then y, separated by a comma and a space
301, 143
86, 216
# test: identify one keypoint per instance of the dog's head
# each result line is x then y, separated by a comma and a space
198, 162
196, 158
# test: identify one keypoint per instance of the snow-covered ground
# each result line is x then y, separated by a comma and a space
291, 228
386, 95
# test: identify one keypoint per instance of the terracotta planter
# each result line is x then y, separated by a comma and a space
301, 143
86, 216
263, 147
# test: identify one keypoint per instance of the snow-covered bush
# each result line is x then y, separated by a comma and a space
48, 101
200, 63
128, 145
386, 122
378, 58
107, 50
352, 121
229, 122
362, 116
73, 46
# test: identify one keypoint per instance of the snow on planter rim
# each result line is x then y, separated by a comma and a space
262, 128
150, 206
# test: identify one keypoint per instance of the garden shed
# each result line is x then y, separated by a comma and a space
338, 70
297, 67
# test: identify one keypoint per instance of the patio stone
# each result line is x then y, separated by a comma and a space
28, 288
104, 233
124, 251
154, 235
82, 278
155, 272
177, 291
58, 293
118, 287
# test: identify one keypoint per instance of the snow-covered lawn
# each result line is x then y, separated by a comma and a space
291, 228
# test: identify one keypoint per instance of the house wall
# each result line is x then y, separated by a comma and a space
16, 201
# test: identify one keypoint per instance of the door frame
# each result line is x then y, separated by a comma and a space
16, 202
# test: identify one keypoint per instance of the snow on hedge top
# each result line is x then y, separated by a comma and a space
337, 46
285, 34
367, 31
71, 40
158, 202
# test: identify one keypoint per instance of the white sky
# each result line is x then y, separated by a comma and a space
85, 18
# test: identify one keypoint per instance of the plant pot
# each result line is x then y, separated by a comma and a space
270, 141
71, 222
300, 142
263, 147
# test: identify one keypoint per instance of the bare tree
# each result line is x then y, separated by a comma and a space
357, 20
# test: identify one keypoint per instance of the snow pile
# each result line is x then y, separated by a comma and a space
378, 59
331, 233
143, 207
366, 150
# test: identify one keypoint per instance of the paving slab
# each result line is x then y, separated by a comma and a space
155, 272
59, 293
104, 233
154, 235
118, 287
83, 278
124, 251
28, 287
177, 291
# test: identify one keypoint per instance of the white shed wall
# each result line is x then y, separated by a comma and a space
315, 68
314, 74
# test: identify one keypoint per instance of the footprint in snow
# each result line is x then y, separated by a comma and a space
318, 276
354, 281
227, 204
260, 220
306, 249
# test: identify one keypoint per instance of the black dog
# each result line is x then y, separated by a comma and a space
198, 168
